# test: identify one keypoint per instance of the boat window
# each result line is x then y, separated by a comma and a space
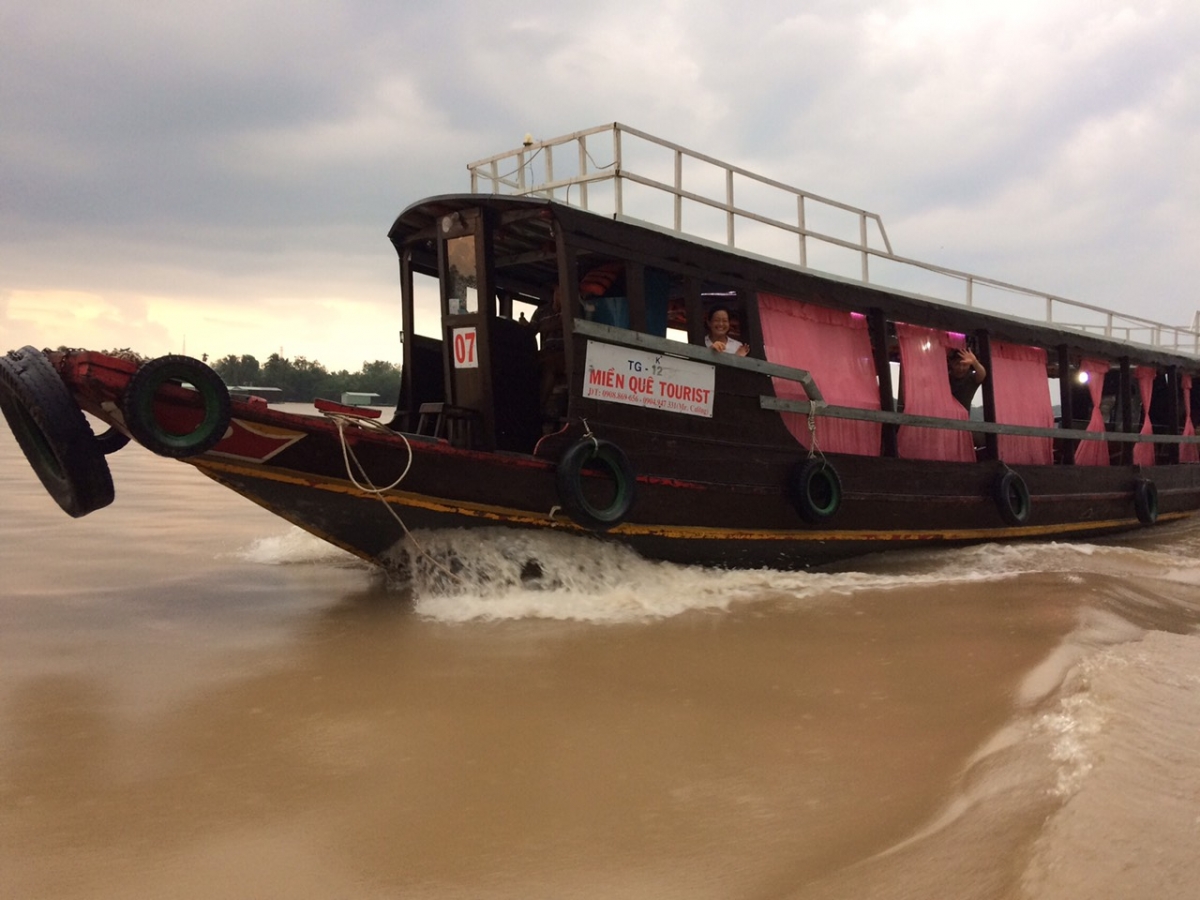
1188, 453
1022, 397
1087, 406
462, 288
523, 308
834, 346
925, 387
603, 292
714, 298
1145, 378
426, 306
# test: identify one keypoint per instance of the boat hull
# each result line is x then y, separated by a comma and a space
758, 527
366, 487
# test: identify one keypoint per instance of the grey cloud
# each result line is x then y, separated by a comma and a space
244, 141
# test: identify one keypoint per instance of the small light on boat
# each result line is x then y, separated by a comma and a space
1082, 378
926, 345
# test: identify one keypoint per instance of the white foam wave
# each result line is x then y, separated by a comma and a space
292, 547
459, 575
1123, 738
498, 573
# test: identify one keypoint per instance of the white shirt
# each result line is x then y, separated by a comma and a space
731, 344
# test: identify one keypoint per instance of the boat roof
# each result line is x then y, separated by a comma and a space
804, 237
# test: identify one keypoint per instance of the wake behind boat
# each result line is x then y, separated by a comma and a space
601, 368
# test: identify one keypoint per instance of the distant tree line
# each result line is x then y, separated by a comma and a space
302, 380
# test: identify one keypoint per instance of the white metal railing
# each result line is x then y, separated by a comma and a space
634, 160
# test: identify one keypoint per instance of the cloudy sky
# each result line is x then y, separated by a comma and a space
221, 177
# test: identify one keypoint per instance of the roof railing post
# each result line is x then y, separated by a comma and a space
1108, 325
803, 230
550, 168
617, 197
970, 291
1049, 308
862, 242
729, 207
521, 171
583, 185
679, 190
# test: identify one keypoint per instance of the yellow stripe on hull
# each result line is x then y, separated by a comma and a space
509, 516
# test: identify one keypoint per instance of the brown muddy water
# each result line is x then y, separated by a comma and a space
198, 701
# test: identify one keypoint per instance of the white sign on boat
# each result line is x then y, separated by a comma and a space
652, 380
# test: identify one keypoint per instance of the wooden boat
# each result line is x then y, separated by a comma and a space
836, 434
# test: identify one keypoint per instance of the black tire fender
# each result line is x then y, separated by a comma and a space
590, 452
1145, 501
53, 433
815, 489
1012, 498
139, 407
111, 440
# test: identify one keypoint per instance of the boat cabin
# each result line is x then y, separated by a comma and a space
525, 309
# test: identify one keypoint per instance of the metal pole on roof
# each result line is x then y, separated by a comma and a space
729, 207
583, 185
617, 165
803, 230
679, 190
862, 239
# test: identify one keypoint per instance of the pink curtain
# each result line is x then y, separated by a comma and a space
925, 387
1143, 454
1094, 453
835, 347
1021, 390
1188, 453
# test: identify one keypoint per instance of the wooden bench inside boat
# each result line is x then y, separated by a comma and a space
454, 423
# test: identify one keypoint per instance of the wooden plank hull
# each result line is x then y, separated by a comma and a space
887, 505
363, 487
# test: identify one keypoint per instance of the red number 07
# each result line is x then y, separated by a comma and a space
464, 348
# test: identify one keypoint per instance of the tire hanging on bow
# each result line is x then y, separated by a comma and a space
180, 429
53, 433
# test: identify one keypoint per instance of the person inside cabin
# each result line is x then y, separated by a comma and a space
718, 338
547, 319
966, 375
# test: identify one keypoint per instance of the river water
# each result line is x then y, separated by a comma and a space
198, 701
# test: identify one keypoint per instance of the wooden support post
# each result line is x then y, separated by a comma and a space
877, 327
984, 352
1066, 391
1123, 402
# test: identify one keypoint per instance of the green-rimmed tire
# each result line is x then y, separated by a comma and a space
52, 432
608, 459
815, 490
138, 405
1012, 498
